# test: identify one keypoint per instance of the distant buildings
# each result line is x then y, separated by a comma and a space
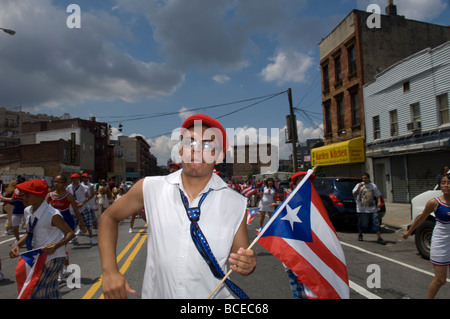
45, 146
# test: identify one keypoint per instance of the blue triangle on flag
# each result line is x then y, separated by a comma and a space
294, 221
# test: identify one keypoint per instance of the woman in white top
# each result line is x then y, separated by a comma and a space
268, 195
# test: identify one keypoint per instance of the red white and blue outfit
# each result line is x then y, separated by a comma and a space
440, 241
63, 205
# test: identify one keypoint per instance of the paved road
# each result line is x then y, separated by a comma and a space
398, 269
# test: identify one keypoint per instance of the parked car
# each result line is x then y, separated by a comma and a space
424, 232
337, 197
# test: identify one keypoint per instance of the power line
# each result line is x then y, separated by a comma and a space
266, 98
142, 117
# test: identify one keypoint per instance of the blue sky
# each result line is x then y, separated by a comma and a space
132, 59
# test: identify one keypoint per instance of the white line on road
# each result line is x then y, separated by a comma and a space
362, 291
391, 260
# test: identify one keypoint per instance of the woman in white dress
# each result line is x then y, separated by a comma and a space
268, 195
440, 241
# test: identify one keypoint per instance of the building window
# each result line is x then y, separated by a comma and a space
328, 128
340, 114
394, 122
443, 109
355, 108
351, 60
376, 127
326, 79
337, 70
416, 123
406, 87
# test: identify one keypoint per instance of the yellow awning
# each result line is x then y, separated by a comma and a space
351, 151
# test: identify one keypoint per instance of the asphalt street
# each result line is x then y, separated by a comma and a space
393, 271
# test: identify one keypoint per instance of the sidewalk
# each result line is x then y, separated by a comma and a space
397, 215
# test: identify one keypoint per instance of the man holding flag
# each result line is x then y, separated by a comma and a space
300, 235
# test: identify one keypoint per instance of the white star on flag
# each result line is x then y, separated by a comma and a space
291, 215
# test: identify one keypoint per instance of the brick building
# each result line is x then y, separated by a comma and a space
350, 56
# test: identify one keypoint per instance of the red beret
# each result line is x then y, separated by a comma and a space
85, 175
175, 164
208, 121
296, 175
76, 175
37, 187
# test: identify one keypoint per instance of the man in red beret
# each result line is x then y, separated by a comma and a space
190, 203
46, 229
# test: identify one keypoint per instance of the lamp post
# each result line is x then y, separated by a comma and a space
9, 31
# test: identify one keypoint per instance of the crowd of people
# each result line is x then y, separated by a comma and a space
78, 201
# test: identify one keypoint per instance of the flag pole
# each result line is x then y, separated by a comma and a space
274, 216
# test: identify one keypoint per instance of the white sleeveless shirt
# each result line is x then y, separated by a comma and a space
174, 267
44, 233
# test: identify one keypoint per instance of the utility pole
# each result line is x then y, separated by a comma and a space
293, 128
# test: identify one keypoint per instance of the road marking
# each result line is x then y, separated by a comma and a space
362, 291
130, 258
91, 292
391, 260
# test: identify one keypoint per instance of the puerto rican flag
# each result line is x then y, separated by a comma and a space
251, 213
301, 235
28, 270
249, 191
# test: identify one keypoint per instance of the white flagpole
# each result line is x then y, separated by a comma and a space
274, 216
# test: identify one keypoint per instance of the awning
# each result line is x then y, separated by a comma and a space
351, 151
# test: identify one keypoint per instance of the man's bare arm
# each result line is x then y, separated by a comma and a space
114, 284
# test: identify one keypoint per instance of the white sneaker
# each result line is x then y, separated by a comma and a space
74, 241
130, 230
93, 241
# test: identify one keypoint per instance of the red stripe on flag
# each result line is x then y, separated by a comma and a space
328, 258
300, 266
317, 201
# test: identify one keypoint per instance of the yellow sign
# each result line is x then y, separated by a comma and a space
347, 152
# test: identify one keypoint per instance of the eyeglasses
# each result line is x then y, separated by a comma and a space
206, 146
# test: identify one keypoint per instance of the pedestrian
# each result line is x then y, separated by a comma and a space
368, 203
268, 195
18, 208
445, 171
173, 167
104, 196
299, 289
176, 264
440, 240
141, 214
90, 204
46, 229
81, 197
64, 201
8, 207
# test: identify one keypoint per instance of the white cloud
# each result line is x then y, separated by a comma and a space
304, 133
221, 78
46, 63
184, 113
287, 66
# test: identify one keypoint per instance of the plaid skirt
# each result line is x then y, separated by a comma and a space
47, 286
